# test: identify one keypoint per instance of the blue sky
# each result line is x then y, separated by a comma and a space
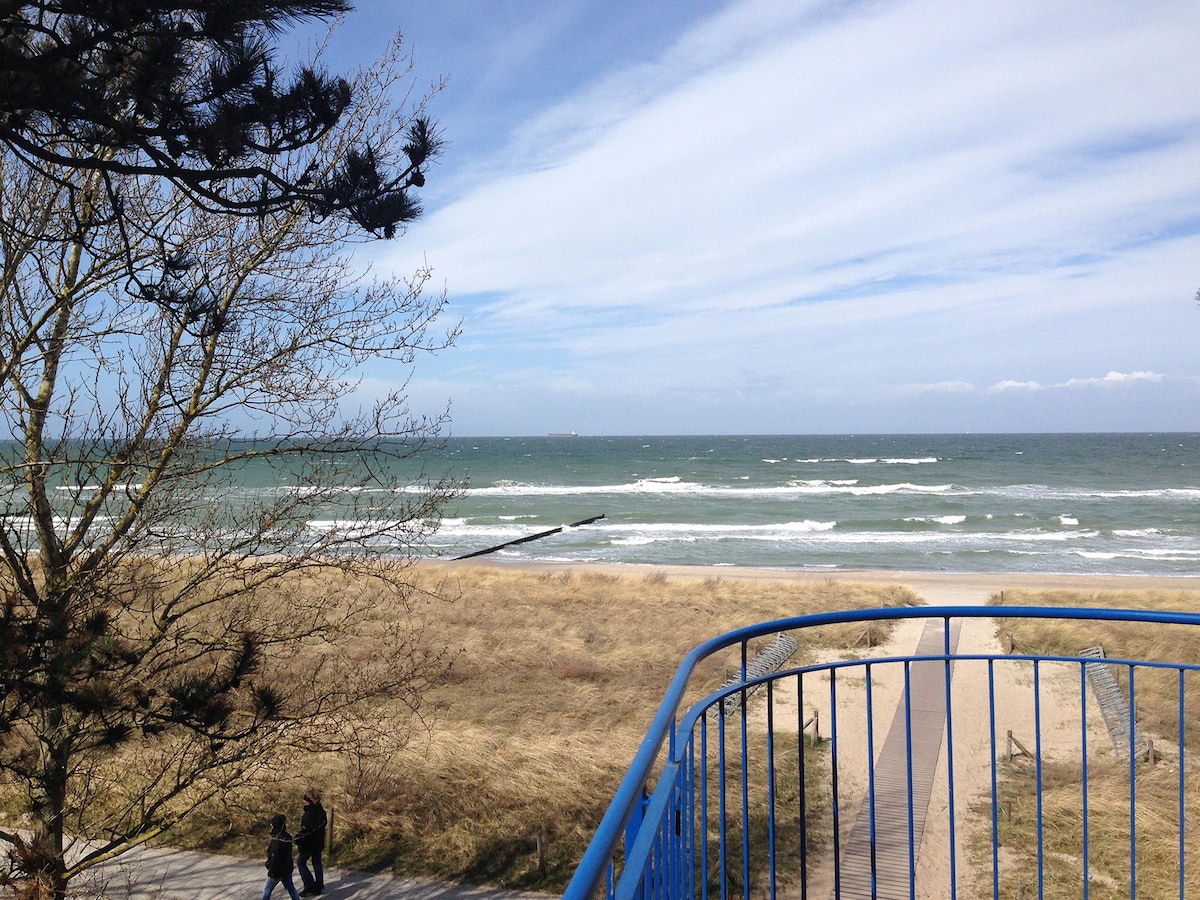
818, 217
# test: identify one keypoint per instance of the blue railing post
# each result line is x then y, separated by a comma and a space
634, 825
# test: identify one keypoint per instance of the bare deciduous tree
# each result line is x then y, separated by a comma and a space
178, 383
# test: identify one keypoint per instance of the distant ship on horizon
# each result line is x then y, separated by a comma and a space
564, 434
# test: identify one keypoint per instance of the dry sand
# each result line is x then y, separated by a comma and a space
938, 588
972, 742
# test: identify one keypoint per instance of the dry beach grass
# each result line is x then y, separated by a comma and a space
1166, 782
556, 676
559, 670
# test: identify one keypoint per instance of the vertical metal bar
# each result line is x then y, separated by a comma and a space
703, 721
1037, 743
1083, 744
744, 785
655, 881
802, 800
680, 861
835, 798
722, 823
635, 823
690, 820
1132, 787
771, 786
1182, 769
683, 861
674, 829
664, 853
871, 778
991, 668
743, 721
668, 865
912, 825
950, 759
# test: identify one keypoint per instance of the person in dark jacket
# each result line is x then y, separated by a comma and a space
309, 842
279, 859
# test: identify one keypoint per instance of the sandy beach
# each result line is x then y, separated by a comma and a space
937, 588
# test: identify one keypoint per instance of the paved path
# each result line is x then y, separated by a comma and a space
879, 865
161, 874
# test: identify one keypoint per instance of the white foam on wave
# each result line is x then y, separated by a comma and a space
1047, 492
870, 460
677, 486
938, 520
357, 529
1068, 520
465, 528
1154, 493
1173, 555
901, 488
853, 487
675, 529
61, 524
804, 531
1039, 536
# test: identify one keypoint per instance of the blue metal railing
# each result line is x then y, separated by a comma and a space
753, 798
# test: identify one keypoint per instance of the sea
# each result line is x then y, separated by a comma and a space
1111, 504
1104, 504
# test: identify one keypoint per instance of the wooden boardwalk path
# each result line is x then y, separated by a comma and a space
882, 871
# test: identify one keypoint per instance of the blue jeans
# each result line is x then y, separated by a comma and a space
287, 883
314, 880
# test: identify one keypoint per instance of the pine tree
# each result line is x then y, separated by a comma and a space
191, 92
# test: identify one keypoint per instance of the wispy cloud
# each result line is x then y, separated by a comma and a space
1115, 379
1112, 379
842, 198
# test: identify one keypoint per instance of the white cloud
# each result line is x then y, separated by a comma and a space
844, 198
1009, 385
1114, 378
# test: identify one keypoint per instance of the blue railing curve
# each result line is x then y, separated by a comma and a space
854, 819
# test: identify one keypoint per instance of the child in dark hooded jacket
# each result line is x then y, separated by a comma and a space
279, 859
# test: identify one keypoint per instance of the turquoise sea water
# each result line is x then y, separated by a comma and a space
1071, 503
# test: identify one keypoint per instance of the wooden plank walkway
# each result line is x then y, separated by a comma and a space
888, 861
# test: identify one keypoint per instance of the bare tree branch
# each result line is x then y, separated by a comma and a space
179, 609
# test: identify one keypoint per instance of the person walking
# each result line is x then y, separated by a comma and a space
279, 859
310, 840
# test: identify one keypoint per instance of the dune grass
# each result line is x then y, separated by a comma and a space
556, 678
1157, 787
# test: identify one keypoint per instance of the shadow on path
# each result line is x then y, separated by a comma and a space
160, 874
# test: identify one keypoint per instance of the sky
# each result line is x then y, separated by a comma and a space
755, 216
